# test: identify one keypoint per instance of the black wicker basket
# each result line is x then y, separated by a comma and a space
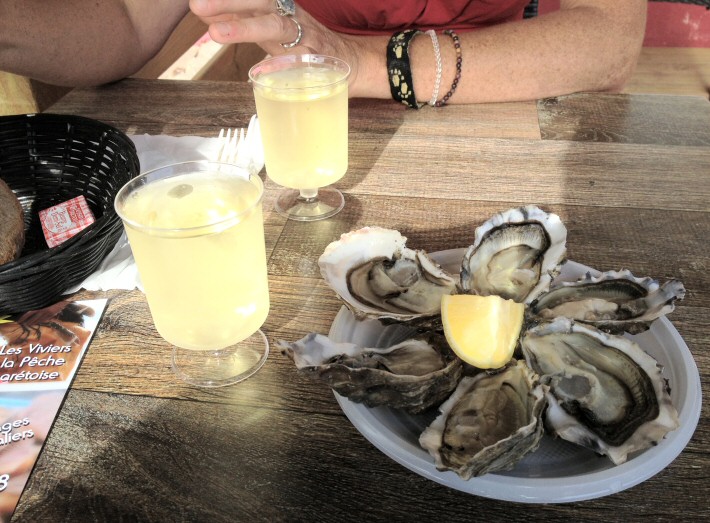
47, 159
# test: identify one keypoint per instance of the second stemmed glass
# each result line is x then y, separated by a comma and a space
302, 105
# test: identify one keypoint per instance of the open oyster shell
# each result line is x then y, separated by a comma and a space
414, 374
376, 276
604, 392
614, 301
489, 423
515, 254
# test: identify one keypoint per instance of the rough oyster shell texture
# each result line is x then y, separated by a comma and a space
376, 276
516, 254
603, 391
615, 301
489, 423
413, 374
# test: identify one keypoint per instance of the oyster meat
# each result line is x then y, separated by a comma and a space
613, 302
376, 276
414, 374
515, 254
603, 391
489, 423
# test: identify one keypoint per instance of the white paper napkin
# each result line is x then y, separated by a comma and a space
118, 270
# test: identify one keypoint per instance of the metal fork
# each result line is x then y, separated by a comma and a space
242, 148
230, 144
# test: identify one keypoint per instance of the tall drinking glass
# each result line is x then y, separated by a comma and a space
302, 105
197, 235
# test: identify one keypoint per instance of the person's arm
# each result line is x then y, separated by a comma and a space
588, 45
83, 42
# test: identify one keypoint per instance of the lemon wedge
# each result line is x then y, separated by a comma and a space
482, 330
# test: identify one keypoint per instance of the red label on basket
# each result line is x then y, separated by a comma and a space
64, 220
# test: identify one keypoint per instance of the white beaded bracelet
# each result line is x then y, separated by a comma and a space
437, 55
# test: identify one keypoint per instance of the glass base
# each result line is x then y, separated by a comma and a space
218, 368
309, 204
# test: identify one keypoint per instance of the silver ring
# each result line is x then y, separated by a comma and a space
285, 7
298, 37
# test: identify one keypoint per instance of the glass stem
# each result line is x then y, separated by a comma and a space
309, 194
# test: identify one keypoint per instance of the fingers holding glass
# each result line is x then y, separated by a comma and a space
271, 22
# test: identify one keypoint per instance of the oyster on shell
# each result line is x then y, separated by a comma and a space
489, 423
515, 254
414, 374
613, 302
376, 276
603, 391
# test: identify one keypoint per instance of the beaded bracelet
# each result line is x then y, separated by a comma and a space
459, 61
398, 68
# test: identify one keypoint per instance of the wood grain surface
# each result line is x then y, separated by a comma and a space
628, 174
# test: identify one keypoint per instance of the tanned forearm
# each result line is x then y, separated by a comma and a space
83, 42
589, 45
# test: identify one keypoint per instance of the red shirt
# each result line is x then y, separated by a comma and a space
388, 16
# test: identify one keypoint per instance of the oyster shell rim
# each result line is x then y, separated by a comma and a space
673, 288
382, 244
552, 258
489, 459
644, 433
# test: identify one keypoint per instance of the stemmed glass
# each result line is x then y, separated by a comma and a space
302, 105
197, 235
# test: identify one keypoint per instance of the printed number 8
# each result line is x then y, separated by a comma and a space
3, 481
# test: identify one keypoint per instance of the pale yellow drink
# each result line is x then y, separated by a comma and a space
304, 124
198, 241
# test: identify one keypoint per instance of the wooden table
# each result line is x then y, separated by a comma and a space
628, 174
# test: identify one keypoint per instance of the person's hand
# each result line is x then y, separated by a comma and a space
238, 21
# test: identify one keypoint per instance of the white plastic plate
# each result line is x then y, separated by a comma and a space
558, 471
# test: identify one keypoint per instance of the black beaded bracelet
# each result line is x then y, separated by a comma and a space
399, 70
459, 62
